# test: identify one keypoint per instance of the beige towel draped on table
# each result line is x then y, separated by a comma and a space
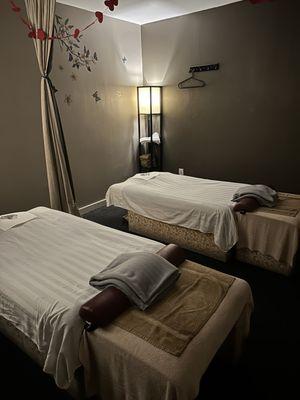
41, 16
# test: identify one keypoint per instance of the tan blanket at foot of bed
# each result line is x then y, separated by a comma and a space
172, 323
121, 366
273, 232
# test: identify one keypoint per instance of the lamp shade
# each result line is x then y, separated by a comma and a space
149, 98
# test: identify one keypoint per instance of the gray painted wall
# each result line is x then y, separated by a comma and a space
245, 125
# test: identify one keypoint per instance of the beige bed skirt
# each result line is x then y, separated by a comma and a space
261, 260
199, 242
189, 239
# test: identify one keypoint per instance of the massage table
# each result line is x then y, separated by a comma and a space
45, 266
168, 207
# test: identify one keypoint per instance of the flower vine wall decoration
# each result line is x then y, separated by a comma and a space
79, 57
65, 34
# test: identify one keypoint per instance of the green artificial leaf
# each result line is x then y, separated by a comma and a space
66, 21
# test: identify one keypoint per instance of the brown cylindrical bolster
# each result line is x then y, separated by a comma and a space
247, 204
106, 306
172, 253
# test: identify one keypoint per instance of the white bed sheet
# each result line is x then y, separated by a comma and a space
45, 267
194, 203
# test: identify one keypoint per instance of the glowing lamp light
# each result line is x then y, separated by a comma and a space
149, 99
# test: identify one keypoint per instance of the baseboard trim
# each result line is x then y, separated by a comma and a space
91, 207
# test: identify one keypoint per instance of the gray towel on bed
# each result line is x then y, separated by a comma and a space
143, 277
263, 194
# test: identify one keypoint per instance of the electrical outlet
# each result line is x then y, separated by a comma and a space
180, 171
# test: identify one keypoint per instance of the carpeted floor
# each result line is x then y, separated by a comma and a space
268, 369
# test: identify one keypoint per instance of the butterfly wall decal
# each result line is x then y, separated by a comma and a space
68, 99
96, 96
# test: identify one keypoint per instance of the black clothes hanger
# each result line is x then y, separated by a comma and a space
194, 83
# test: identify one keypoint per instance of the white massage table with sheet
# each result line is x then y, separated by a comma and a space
197, 214
193, 203
45, 265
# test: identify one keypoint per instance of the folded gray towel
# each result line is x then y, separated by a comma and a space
263, 194
143, 277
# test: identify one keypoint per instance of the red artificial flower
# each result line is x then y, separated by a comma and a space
76, 33
99, 16
32, 35
41, 35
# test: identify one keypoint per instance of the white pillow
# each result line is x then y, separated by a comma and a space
146, 175
8, 221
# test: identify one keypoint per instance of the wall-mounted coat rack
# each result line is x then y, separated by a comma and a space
205, 68
193, 82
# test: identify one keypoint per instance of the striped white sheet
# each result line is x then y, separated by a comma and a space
45, 267
194, 203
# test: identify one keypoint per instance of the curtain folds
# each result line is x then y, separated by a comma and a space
61, 192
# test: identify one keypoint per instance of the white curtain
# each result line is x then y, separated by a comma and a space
61, 192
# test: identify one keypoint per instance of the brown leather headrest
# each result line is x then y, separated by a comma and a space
106, 306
